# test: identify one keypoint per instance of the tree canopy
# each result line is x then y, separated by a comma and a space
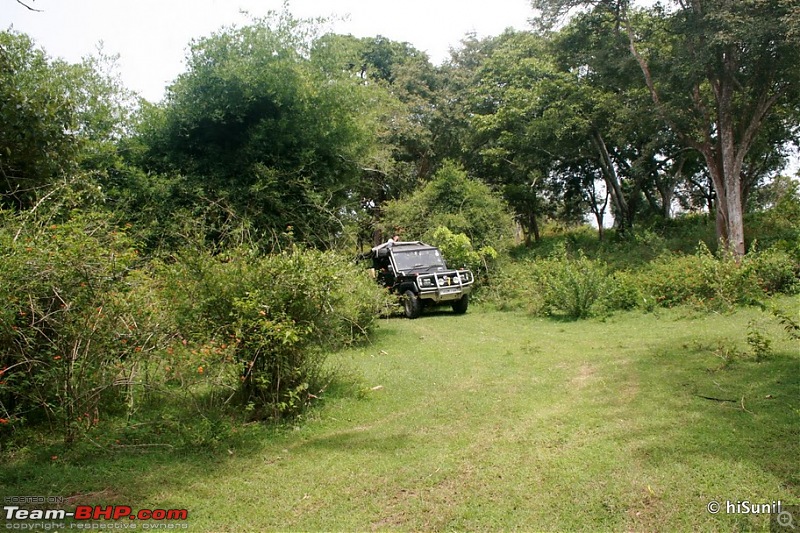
454, 201
265, 126
718, 73
284, 131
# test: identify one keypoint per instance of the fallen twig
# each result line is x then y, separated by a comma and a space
142, 446
744, 408
715, 399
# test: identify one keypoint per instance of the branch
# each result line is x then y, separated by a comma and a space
23, 4
648, 77
762, 106
30, 212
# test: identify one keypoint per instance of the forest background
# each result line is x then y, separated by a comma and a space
202, 246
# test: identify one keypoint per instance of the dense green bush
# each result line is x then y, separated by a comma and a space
712, 281
453, 200
675, 279
777, 271
567, 285
779, 226
511, 287
89, 331
458, 251
71, 329
575, 286
278, 313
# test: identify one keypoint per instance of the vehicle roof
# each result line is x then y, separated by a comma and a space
411, 247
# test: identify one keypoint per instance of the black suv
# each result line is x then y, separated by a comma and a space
417, 272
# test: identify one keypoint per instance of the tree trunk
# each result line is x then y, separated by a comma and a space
535, 227
720, 154
530, 226
598, 210
731, 166
623, 218
599, 217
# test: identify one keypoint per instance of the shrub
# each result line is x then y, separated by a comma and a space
701, 279
576, 287
280, 313
777, 227
564, 284
453, 200
775, 269
458, 252
573, 286
674, 279
70, 332
624, 292
511, 287
569, 284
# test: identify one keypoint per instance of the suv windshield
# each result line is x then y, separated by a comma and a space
417, 259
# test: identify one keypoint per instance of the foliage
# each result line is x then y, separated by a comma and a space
457, 202
677, 279
259, 126
779, 224
564, 285
73, 322
407, 100
275, 137
722, 79
777, 271
36, 147
458, 251
790, 324
279, 313
758, 341
718, 282
87, 330
574, 287
507, 118
60, 125
577, 286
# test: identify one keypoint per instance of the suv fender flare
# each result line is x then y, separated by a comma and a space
407, 286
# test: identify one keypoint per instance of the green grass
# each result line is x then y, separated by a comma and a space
491, 421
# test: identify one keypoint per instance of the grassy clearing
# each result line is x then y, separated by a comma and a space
492, 421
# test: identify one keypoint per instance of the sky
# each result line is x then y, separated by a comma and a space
152, 36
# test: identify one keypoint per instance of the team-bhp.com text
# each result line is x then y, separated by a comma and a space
122, 515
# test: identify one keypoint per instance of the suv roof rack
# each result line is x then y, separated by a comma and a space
398, 243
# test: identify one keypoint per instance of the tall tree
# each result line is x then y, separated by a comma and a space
37, 119
552, 115
266, 126
506, 120
403, 86
716, 70
59, 124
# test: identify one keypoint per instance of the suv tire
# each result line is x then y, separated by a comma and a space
412, 306
460, 305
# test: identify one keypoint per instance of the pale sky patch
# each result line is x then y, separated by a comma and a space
152, 36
